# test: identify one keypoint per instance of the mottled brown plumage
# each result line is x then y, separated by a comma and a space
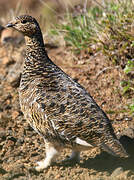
56, 106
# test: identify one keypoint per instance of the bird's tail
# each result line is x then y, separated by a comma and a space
115, 148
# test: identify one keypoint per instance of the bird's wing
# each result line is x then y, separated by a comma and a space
72, 114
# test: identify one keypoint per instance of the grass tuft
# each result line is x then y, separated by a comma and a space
108, 28
79, 30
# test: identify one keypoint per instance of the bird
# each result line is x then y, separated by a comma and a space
56, 106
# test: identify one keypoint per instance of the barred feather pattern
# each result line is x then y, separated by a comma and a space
56, 106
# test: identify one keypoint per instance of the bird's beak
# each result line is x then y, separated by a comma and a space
9, 25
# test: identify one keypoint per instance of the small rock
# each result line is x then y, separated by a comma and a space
9, 132
2, 171
128, 118
99, 178
10, 143
3, 135
13, 139
34, 154
57, 176
117, 172
20, 141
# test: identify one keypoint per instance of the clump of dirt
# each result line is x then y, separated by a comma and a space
21, 146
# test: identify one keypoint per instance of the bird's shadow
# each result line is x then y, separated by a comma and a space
106, 162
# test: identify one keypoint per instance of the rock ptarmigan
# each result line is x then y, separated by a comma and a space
56, 106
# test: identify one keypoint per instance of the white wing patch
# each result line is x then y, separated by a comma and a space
82, 142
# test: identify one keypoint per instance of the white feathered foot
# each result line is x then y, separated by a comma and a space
51, 154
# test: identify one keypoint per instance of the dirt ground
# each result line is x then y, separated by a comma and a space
21, 147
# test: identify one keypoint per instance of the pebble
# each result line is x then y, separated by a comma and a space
11, 138
20, 141
2, 171
117, 172
3, 135
99, 178
57, 176
34, 154
128, 118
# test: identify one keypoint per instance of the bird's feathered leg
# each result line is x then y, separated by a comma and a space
51, 153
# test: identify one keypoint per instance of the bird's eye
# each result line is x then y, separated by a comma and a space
23, 21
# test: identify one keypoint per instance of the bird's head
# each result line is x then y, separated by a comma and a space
25, 24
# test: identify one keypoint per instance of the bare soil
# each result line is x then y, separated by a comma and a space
21, 147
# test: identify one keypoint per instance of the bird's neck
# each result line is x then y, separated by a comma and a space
35, 49
35, 41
